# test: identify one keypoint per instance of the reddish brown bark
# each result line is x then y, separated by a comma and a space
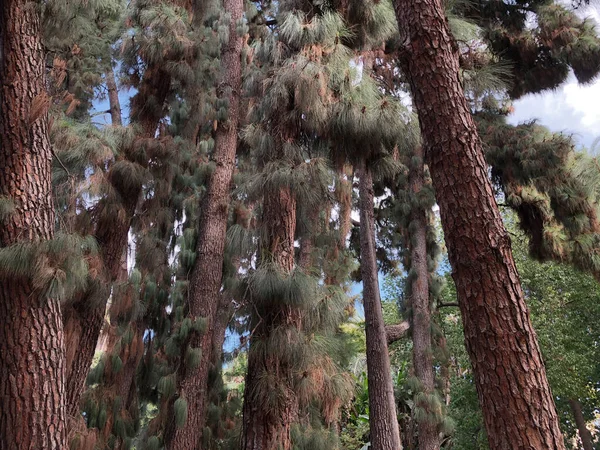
32, 351
421, 310
264, 429
206, 278
516, 401
385, 431
584, 433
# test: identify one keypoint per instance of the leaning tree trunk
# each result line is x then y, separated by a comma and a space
515, 397
32, 350
206, 278
385, 431
584, 433
421, 311
264, 429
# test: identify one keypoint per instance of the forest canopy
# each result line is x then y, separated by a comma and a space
295, 225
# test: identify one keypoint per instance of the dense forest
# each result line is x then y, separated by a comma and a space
295, 225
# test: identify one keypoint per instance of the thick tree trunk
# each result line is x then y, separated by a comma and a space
513, 390
206, 278
421, 310
32, 350
385, 432
584, 433
264, 429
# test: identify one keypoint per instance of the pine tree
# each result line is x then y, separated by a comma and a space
206, 278
293, 389
124, 179
490, 294
32, 354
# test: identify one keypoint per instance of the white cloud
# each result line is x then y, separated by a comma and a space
572, 108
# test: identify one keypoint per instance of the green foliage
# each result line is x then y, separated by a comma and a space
181, 411
269, 286
193, 357
58, 267
116, 363
550, 186
316, 438
7, 207
166, 386
540, 39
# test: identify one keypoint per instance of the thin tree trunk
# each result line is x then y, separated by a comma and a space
113, 99
421, 310
584, 433
515, 397
264, 429
206, 278
385, 431
32, 349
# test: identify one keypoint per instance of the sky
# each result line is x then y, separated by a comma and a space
572, 108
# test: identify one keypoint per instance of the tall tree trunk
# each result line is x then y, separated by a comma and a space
206, 278
113, 99
385, 431
32, 349
513, 390
584, 433
264, 429
421, 310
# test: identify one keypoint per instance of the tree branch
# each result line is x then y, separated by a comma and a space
396, 332
442, 304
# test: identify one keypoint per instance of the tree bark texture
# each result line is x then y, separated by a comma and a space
206, 278
584, 433
32, 350
421, 309
113, 99
263, 429
383, 421
513, 390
